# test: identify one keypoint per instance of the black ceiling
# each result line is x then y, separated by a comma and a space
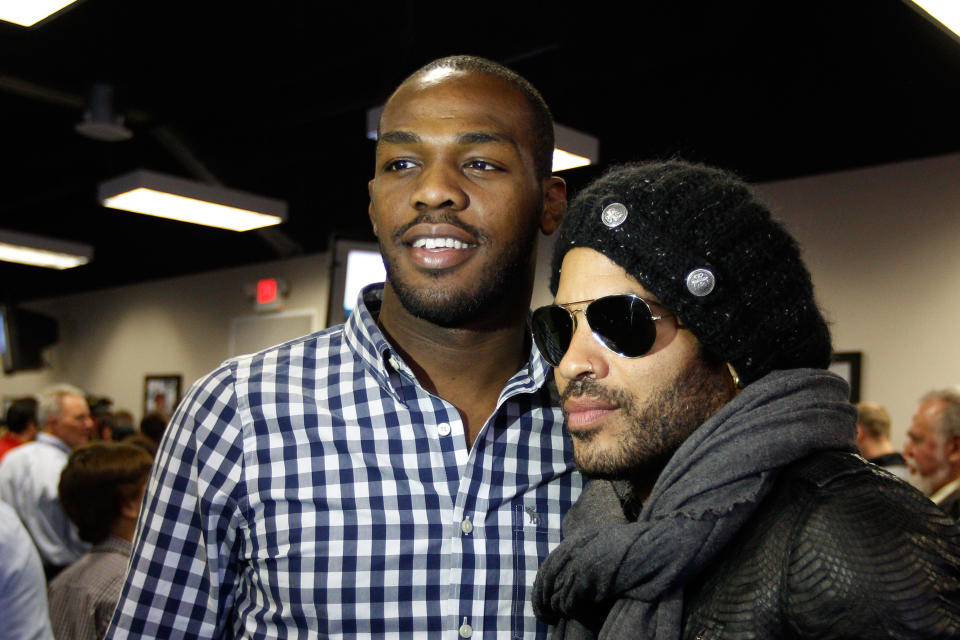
271, 98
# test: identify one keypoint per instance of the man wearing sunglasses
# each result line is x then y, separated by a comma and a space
728, 501
404, 474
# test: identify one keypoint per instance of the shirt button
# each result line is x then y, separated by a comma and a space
465, 629
466, 526
443, 429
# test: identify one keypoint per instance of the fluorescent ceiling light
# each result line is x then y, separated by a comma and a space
946, 12
40, 251
27, 13
572, 148
156, 194
563, 160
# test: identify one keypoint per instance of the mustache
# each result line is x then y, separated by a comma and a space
439, 217
590, 387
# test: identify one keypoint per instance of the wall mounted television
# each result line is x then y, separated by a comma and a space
23, 336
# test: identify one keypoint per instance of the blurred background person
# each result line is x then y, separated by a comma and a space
137, 439
933, 449
153, 425
101, 410
30, 473
101, 489
21, 424
873, 439
23, 587
123, 425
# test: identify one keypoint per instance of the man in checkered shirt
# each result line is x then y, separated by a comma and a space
402, 475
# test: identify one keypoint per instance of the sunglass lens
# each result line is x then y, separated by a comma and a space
552, 330
623, 323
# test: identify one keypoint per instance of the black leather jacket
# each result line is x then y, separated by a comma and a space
839, 549
951, 505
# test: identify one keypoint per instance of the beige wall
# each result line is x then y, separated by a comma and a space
883, 245
111, 339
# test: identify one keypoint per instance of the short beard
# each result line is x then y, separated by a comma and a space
929, 484
655, 431
501, 279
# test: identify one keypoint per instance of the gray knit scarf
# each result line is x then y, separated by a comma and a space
615, 579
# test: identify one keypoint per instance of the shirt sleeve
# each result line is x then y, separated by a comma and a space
23, 593
183, 570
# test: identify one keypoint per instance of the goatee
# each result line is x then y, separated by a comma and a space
652, 433
450, 307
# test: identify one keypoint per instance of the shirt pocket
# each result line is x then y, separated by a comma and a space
535, 532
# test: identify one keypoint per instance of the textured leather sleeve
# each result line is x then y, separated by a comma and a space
840, 549
873, 558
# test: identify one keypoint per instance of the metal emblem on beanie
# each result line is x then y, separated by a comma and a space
614, 214
701, 282
691, 235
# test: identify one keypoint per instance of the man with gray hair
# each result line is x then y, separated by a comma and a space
29, 475
873, 439
933, 449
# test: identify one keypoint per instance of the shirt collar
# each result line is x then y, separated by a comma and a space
113, 544
365, 338
48, 438
362, 333
941, 494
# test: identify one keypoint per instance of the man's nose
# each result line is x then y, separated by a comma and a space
585, 357
439, 187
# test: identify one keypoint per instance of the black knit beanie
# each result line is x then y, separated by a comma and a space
696, 238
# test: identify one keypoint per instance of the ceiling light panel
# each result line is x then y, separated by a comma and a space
164, 196
27, 13
40, 251
946, 12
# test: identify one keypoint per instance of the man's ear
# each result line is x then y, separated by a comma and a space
952, 449
554, 204
131, 508
373, 222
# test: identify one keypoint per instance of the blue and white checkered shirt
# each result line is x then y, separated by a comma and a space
315, 489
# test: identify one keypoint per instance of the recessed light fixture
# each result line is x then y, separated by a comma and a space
41, 251
572, 148
156, 194
27, 13
946, 12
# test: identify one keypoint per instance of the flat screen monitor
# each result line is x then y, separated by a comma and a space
355, 265
23, 336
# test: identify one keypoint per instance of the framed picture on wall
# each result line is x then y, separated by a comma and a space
161, 393
846, 364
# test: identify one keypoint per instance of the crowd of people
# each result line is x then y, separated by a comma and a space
72, 477
661, 453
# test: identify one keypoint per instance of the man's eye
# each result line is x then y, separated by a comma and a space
482, 165
400, 165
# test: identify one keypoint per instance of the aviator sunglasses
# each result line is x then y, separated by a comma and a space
622, 323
